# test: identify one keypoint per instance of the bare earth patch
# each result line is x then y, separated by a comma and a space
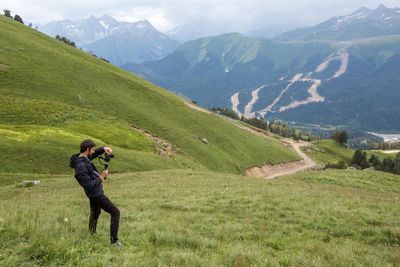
196, 107
3, 66
165, 148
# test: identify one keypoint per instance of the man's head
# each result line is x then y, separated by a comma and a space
87, 146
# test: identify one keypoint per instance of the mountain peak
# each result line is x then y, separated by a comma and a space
363, 23
91, 18
382, 7
107, 18
143, 25
362, 10
144, 22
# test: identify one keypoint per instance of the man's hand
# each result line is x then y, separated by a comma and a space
108, 150
104, 175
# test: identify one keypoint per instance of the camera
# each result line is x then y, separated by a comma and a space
104, 161
108, 157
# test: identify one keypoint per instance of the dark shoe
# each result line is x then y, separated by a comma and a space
116, 243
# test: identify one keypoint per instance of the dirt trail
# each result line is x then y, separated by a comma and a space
196, 107
269, 171
272, 171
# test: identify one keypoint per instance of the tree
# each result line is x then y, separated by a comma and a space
360, 159
388, 165
66, 41
364, 163
340, 137
375, 161
335, 136
396, 167
18, 18
357, 158
374, 146
7, 13
343, 137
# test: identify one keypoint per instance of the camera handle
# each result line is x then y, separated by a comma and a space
104, 161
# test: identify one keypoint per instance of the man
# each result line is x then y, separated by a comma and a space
88, 177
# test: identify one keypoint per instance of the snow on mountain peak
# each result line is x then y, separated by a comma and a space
143, 24
381, 13
104, 24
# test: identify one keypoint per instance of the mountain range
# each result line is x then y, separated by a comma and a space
118, 42
363, 23
343, 76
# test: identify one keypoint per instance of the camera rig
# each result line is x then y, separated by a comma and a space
104, 161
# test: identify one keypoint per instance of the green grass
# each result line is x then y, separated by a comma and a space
51, 84
201, 218
47, 149
328, 151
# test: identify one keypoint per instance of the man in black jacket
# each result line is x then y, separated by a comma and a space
88, 177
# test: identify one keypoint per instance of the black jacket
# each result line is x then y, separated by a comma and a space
86, 173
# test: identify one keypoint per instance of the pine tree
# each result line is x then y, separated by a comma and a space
18, 18
364, 163
374, 161
388, 165
7, 13
357, 158
343, 137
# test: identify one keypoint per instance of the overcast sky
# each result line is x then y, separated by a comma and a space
232, 15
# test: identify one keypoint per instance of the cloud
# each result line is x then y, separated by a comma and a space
227, 15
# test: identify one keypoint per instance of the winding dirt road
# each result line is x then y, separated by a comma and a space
269, 171
272, 171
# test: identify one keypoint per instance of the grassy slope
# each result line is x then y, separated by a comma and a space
328, 151
47, 83
198, 218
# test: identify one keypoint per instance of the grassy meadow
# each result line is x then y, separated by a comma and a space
328, 151
202, 218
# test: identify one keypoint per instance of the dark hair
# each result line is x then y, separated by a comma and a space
87, 144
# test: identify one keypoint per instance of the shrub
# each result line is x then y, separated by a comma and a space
340, 165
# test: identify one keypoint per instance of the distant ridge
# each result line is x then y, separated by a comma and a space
118, 42
363, 23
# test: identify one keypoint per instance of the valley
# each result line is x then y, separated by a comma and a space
194, 187
340, 66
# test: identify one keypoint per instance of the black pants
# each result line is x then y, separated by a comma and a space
96, 205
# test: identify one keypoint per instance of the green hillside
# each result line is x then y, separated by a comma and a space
328, 151
52, 96
200, 218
